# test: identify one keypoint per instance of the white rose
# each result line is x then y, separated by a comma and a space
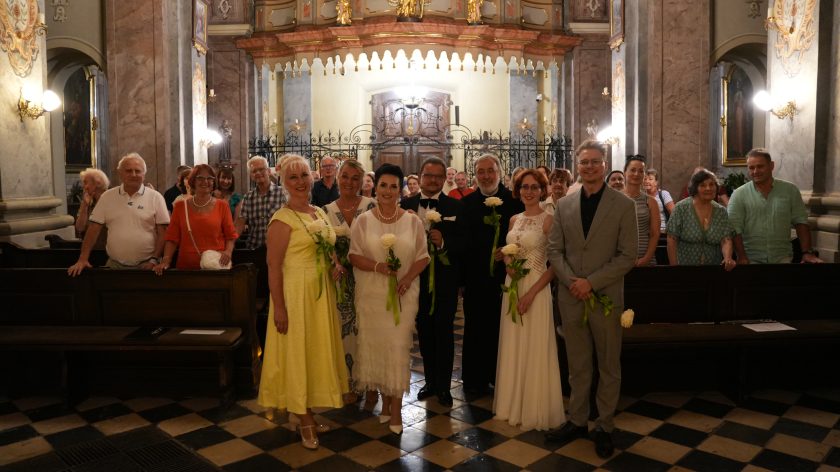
432, 216
627, 318
329, 236
510, 250
315, 226
388, 240
493, 201
341, 231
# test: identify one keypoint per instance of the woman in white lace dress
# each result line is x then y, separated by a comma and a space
528, 391
385, 334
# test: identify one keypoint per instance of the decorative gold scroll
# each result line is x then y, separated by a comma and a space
19, 31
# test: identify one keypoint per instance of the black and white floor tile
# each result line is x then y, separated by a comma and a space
704, 431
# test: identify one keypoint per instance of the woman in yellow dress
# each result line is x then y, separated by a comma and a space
303, 364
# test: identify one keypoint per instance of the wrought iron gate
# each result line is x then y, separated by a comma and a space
520, 149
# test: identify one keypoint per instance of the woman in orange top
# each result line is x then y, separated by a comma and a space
210, 220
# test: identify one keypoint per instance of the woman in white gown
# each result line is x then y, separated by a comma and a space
384, 345
528, 392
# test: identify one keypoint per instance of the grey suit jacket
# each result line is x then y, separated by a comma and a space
604, 256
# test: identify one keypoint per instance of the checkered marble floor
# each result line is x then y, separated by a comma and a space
772, 430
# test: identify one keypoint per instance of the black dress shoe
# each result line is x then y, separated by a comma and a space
445, 398
603, 443
566, 433
426, 392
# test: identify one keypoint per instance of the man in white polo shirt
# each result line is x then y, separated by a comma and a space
136, 218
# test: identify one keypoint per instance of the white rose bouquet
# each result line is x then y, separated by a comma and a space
433, 218
519, 271
392, 302
493, 219
324, 237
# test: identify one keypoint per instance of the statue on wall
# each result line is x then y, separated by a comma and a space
344, 12
474, 11
409, 10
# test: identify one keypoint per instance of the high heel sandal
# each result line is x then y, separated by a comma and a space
371, 398
311, 442
295, 420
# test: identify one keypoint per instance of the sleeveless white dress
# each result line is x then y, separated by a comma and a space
528, 390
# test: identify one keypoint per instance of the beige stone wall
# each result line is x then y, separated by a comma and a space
27, 193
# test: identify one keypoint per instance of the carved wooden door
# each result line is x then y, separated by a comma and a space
408, 133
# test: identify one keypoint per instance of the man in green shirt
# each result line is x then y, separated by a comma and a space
763, 211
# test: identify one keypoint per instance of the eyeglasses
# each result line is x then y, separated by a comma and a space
328, 166
201, 178
259, 170
593, 162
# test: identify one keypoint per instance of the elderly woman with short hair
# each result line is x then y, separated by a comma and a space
559, 182
94, 183
699, 230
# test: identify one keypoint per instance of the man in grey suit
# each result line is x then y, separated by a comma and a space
591, 246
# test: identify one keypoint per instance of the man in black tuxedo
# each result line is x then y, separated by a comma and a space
434, 324
482, 292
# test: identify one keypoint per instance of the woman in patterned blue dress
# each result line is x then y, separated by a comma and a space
699, 231
341, 214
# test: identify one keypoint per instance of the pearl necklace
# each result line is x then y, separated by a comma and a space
204, 204
389, 218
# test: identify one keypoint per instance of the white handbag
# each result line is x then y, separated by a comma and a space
209, 258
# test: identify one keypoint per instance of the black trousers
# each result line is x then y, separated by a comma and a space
437, 346
482, 312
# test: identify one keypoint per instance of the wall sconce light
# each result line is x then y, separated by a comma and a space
297, 126
607, 136
605, 94
763, 101
33, 104
523, 125
211, 97
210, 139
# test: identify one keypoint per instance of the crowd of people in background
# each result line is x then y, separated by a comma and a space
358, 260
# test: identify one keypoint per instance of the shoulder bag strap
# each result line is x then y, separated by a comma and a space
189, 228
664, 208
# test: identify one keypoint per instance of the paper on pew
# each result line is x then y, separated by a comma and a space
206, 332
766, 327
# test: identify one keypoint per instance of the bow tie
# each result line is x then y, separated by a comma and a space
428, 203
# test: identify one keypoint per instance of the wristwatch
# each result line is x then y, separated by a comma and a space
811, 251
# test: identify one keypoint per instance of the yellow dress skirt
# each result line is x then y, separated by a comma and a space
303, 368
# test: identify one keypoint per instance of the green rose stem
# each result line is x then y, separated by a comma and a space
392, 302
519, 271
590, 303
493, 220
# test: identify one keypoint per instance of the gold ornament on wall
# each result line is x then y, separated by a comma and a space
793, 22
409, 10
343, 12
20, 26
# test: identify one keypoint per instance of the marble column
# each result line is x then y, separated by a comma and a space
230, 73
590, 74
28, 199
672, 90
150, 84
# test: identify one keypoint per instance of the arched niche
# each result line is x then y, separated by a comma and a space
736, 124
80, 82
